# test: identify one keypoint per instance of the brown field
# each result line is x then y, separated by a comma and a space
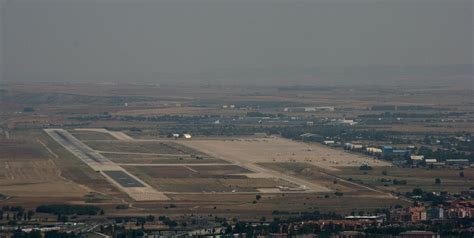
210, 171
242, 204
13, 150
160, 159
219, 170
29, 171
416, 178
314, 173
211, 185
203, 179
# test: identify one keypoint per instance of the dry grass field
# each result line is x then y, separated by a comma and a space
242, 204
316, 174
91, 135
147, 147
275, 149
28, 170
451, 181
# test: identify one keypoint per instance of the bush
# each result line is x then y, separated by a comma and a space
122, 206
28, 109
399, 182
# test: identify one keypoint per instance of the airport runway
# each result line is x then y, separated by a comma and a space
118, 176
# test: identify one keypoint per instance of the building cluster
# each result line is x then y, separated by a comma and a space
405, 156
225, 106
449, 211
309, 109
177, 135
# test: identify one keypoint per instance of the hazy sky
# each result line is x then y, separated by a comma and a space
138, 40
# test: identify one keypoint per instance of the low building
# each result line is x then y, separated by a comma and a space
311, 137
460, 209
386, 149
350, 234
417, 214
346, 122
353, 146
459, 162
417, 159
435, 213
327, 109
403, 153
419, 234
430, 161
308, 109
175, 135
409, 214
373, 150
439, 164
328, 142
375, 219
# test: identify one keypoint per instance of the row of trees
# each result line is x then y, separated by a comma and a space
15, 213
66, 209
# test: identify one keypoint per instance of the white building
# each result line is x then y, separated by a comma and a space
347, 122
328, 142
187, 136
416, 159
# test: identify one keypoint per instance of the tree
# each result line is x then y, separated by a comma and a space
30, 214
150, 218
258, 196
28, 109
437, 181
417, 191
461, 174
365, 167
228, 229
